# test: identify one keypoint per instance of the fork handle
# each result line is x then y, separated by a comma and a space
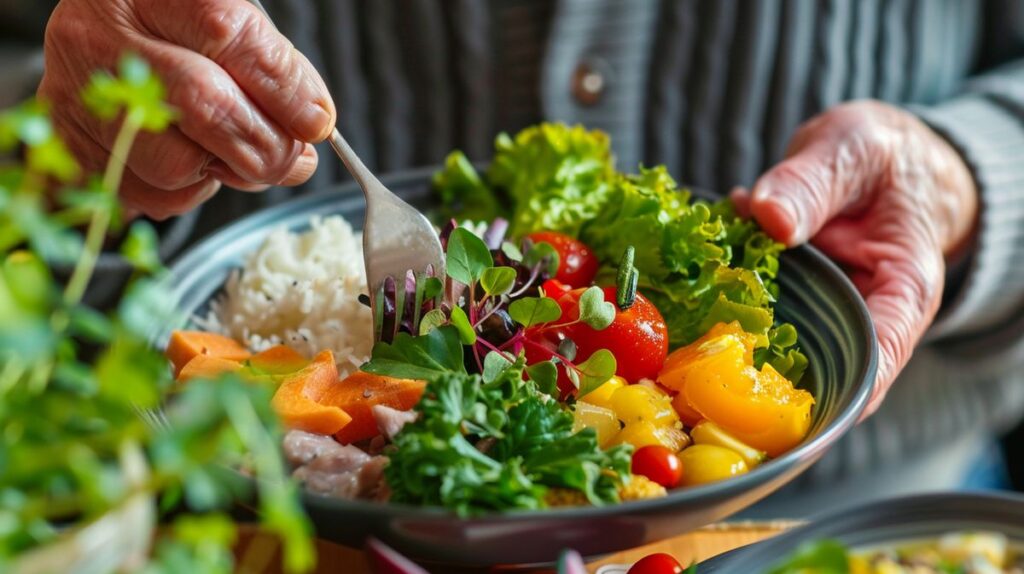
363, 176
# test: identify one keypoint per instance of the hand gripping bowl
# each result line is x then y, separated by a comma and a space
885, 523
837, 337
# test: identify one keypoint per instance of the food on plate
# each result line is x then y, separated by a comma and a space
596, 337
953, 553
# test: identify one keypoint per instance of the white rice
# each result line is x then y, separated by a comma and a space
301, 290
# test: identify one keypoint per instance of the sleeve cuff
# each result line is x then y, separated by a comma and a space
991, 140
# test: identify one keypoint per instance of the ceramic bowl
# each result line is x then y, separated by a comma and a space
836, 334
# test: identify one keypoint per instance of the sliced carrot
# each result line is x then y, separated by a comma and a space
277, 360
186, 345
296, 400
360, 392
207, 367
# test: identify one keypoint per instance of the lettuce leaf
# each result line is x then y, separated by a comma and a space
556, 176
699, 262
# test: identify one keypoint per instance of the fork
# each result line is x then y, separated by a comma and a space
397, 238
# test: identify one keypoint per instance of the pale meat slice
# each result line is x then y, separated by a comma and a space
327, 467
391, 421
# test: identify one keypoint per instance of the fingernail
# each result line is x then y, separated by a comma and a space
303, 168
312, 124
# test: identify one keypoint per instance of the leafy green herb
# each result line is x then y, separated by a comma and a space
463, 193
594, 310
545, 375
496, 445
467, 256
542, 253
426, 357
498, 280
432, 320
460, 321
530, 311
594, 372
494, 364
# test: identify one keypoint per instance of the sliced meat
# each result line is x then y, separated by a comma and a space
390, 421
327, 467
302, 447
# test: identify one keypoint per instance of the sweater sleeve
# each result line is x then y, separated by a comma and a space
986, 125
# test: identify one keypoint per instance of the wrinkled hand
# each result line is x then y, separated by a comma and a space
886, 197
249, 104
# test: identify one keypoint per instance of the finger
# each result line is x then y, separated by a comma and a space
239, 38
301, 171
217, 115
160, 204
902, 297
740, 198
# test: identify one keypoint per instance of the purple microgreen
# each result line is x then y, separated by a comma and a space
495, 363
530, 311
498, 281
467, 256
495, 233
511, 251
542, 254
378, 314
545, 374
595, 371
389, 312
420, 288
594, 310
446, 232
626, 280
460, 321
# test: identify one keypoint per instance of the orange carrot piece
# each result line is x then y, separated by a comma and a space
207, 367
358, 394
277, 360
296, 400
187, 345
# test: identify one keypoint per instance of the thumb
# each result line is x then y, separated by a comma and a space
793, 200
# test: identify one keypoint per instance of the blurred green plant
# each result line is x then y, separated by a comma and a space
76, 457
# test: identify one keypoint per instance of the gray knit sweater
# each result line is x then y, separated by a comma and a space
713, 89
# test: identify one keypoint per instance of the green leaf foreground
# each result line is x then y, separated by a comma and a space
71, 378
467, 256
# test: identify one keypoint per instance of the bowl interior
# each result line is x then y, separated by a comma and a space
836, 334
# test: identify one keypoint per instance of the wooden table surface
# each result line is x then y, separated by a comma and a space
695, 546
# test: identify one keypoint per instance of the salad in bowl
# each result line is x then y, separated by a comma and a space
597, 339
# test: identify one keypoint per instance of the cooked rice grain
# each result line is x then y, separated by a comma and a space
301, 290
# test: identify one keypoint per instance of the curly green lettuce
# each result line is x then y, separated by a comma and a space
699, 262
555, 177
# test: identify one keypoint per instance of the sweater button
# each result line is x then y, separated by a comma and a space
589, 81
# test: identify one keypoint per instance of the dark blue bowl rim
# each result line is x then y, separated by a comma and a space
723, 490
777, 547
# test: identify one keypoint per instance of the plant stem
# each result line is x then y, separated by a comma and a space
101, 218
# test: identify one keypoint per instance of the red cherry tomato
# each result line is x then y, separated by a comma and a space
577, 264
659, 563
659, 464
637, 337
555, 289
